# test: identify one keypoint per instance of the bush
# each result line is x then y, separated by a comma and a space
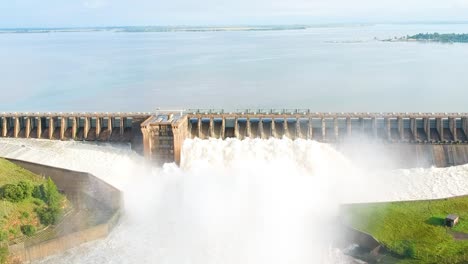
24, 215
39, 192
12, 193
28, 230
52, 195
406, 249
27, 188
49, 193
48, 215
410, 251
13, 231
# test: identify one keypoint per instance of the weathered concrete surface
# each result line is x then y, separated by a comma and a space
100, 201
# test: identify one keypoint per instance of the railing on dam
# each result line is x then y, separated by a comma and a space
118, 127
164, 133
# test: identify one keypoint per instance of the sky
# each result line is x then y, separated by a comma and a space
76, 13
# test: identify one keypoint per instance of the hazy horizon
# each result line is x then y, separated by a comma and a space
99, 13
317, 24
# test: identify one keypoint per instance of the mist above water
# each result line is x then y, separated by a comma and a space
231, 201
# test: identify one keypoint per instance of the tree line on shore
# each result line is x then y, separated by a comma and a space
462, 38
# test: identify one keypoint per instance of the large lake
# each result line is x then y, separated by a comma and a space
330, 69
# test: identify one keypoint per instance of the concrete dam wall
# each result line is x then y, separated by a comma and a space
416, 139
410, 140
109, 127
72, 126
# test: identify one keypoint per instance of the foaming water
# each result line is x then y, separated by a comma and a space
231, 201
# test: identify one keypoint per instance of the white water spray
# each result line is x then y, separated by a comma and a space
252, 201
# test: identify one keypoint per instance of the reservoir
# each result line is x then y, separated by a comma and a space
325, 69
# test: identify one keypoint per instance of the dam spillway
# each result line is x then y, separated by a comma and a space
418, 139
160, 135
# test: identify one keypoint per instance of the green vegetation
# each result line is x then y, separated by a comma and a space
28, 202
48, 193
415, 230
436, 37
16, 192
3, 235
12, 193
28, 230
3, 254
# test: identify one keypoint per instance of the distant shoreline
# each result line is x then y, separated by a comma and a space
146, 29
431, 37
152, 29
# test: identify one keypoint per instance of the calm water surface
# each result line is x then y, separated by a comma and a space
326, 69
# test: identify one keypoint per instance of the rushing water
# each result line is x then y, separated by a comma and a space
251, 201
324, 68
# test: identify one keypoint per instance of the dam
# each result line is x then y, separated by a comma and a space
433, 139
110, 127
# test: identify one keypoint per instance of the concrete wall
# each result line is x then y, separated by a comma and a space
58, 245
363, 239
85, 191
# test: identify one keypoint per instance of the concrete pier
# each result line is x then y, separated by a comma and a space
260, 129
39, 127
74, 131
453, 128
427, 128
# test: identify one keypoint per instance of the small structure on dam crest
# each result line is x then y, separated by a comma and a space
451, 220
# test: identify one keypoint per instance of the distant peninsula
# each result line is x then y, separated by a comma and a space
434, 37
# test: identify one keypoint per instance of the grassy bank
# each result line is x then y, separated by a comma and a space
28, 203
415, 230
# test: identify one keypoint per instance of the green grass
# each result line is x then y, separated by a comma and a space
414, 230
15, 215
10, 173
